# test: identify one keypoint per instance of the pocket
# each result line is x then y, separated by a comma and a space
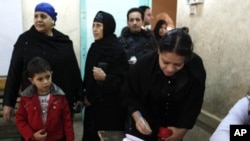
30, 108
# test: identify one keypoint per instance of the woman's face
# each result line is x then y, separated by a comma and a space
97, 30
170, 62
43, 23
163, 30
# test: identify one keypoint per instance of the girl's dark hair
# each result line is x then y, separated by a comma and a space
177, 41
157, 28
37, 65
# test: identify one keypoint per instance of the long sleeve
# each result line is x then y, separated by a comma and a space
238, 115
22, 121
68, 123
14, 77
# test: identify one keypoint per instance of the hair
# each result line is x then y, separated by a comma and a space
144, 8
179, 42
37, 65
135, 10
186, 29
157, 28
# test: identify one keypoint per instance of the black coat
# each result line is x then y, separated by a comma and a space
137, 44
164, 101
57, 50
106, 111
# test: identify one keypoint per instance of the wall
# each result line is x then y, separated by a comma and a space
220, 31
164, 6
8, 32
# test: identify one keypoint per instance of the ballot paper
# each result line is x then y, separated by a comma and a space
131, 138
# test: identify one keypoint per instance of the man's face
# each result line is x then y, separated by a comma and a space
148, 17
135, 21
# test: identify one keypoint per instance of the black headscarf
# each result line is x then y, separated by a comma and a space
108, 22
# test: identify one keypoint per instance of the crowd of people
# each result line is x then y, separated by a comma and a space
137, 82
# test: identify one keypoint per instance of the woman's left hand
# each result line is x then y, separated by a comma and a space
178, 134
99, 74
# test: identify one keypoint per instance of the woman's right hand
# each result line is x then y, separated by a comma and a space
8, 113
143, 127
141, 124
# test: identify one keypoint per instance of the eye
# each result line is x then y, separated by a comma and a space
178, 65
48, 76
40, 79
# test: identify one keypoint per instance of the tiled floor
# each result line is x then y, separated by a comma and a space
6, 127
78, 128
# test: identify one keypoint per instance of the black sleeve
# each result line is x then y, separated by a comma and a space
14, 77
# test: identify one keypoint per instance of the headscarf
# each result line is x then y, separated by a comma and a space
46, 8
108, 22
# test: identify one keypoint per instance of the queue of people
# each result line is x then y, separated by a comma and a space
163, 88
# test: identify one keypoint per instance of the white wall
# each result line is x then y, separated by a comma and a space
10, 27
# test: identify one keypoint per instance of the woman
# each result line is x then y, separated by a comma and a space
160, 30
169, 93
106, 66
43, 40
167, 18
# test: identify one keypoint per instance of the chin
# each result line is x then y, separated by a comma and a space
168, 74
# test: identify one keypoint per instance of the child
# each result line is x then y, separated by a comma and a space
43, 113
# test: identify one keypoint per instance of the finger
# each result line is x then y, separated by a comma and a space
142, 129
7, 117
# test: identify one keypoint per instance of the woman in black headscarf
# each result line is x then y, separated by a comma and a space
106, 66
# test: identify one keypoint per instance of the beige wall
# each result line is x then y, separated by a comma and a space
221, 35
68, 18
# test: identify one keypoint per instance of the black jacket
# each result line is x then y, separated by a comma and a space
137, 44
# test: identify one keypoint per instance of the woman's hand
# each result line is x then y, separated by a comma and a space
143, 127
178, 134
8, 113
141, 124
99, 74
86, 101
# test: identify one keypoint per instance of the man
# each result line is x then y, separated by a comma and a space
134, 39
148, 16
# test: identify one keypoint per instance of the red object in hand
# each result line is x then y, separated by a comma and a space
164, 132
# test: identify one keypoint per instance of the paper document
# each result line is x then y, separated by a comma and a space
131, 138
